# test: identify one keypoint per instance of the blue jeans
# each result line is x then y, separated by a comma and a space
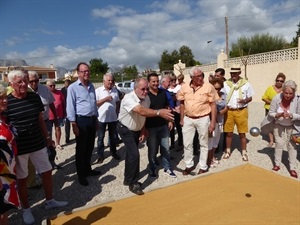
112, 126
159, 137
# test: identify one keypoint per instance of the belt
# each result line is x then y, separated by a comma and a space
196, 117
236, 109
86, 117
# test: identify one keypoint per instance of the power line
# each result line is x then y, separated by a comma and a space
187, 28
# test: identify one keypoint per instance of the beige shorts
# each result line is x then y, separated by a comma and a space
39, 159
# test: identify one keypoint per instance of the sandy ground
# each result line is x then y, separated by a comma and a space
109, 186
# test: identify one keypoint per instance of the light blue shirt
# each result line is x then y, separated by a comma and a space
81, 101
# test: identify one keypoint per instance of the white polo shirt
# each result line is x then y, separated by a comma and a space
132, 120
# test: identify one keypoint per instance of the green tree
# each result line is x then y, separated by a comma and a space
130, 72
258, 43
186, 56
98, 68
168, 60
294, 42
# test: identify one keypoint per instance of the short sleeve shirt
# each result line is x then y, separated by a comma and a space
132, 120
197, 101
107, 111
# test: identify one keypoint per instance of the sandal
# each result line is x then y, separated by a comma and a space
215, 161
245, 157
213, 164
226, 155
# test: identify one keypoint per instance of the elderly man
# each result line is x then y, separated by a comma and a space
108, 104
48, 103
25, 112
82, 113
133, 112
197, 112
46, 97
239, 93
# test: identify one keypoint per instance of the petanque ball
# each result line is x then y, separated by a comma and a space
254, 131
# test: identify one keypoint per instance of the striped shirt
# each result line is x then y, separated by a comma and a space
23, 114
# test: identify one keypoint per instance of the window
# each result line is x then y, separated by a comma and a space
127, 85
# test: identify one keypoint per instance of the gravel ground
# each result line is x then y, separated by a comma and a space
109, 186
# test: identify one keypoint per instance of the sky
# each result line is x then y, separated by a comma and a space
134, 32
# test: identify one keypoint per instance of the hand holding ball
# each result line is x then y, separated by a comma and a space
254, 131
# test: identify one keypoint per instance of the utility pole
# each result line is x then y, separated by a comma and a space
226, 34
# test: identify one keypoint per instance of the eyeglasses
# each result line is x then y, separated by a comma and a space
198, 77
281, 81
52, 85
34, 81
143, 89
85, 71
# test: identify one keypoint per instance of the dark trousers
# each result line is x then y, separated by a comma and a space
178, 129
67, 129
132, 154
85, 144
111, 133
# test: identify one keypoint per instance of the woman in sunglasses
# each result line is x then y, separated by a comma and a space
269, 94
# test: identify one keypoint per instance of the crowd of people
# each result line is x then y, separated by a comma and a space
154, 112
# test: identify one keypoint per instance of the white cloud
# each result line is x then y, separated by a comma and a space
139, 38
111, 11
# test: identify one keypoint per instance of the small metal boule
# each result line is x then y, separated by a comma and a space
254, 131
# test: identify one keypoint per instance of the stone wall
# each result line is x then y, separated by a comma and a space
262, 69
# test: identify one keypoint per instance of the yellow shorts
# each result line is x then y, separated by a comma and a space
238, 118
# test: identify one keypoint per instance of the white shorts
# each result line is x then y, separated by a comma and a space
39, 159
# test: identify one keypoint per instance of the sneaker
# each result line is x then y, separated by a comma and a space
170, 173
28, 217
54, 204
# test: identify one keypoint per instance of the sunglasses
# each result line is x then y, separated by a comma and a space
34, 81
281, 81
52, 85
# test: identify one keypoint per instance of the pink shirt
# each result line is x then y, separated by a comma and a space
59, 104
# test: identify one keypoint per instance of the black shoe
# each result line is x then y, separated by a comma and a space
136, 189
83, 181
55, 166
116, 156
100, 159
153, 174
94, 173
125, 183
